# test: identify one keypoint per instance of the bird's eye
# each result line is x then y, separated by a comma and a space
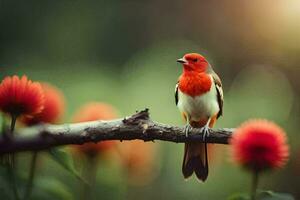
195, 60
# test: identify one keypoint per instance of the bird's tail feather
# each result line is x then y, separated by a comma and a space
195, 160
196, 156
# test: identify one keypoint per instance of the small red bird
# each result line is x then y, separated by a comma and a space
199, 98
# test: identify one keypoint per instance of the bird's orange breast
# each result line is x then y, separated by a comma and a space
194, 84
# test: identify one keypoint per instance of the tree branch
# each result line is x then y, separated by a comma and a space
137, 126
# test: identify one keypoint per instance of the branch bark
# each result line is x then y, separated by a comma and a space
138, 126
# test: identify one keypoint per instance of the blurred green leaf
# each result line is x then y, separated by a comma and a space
65, 160
49, 188
2, 123
269, 195
239, 196
263, 195
5, 194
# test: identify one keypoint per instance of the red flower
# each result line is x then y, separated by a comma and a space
90, 112
21, 96
259, 145
53, 107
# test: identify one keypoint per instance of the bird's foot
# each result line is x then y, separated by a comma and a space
187, 129
205, 131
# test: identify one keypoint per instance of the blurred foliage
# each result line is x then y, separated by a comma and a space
65, 160
124, 53
263, 195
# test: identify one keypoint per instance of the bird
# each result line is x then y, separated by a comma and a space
199, 98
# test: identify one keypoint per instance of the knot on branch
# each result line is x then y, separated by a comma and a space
137, 117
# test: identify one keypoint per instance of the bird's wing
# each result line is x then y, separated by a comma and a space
218, 85
176, 94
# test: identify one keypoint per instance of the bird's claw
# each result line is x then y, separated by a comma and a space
187, 129
205, 131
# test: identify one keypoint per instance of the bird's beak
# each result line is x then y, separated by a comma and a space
182, 60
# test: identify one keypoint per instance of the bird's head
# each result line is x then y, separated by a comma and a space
194, 62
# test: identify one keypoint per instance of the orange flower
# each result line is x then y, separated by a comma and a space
90, 112
21, 96
138, 158
259, 145
95, 111
53, 107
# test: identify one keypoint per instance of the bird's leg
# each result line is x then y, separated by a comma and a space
205, 130
187, 127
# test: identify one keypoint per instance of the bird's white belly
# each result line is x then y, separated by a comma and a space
199, 107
